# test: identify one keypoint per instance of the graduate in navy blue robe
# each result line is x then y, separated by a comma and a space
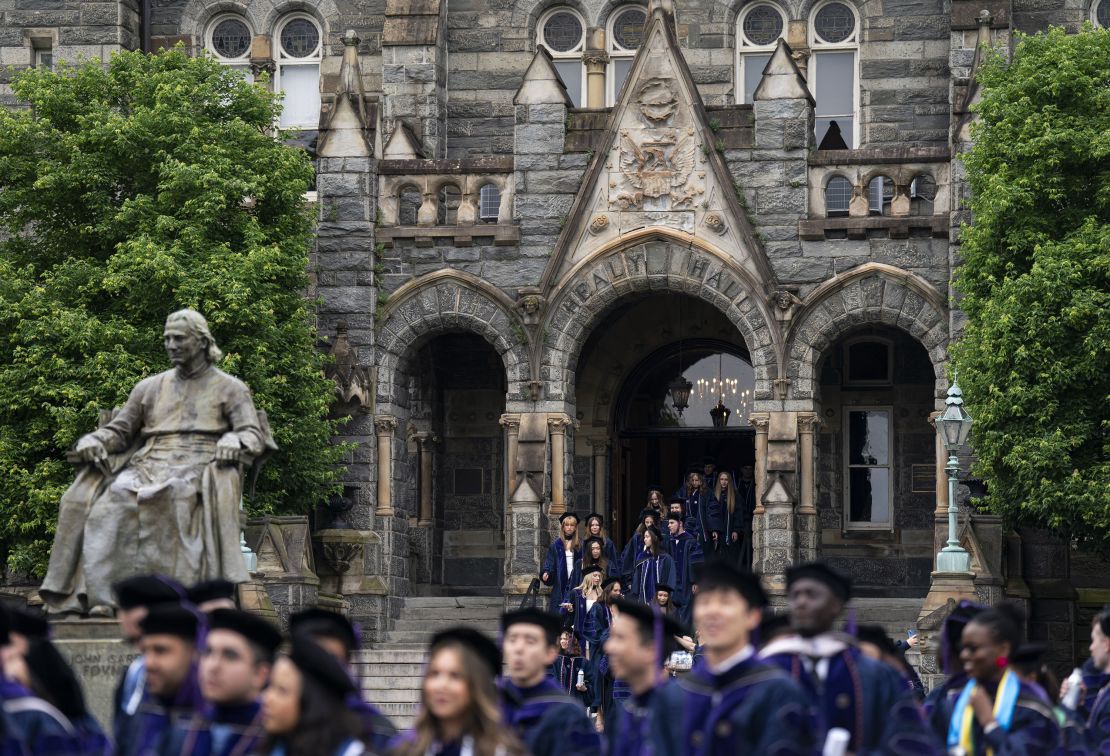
996, 710
703, 512
337, 636
653, 565
594, 555
548, 721
50, 677
686, 553
648, 518
598, 621
935, 704
849, 691
733, 702
582, 599
235, 666
648, 722
562, 566
568, 664
172, 688
595, 528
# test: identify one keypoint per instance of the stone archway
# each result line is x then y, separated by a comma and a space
443, 302
659, 264
873, 293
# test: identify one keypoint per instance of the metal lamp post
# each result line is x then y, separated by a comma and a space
954, 426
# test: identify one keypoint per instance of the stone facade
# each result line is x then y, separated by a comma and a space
495, 263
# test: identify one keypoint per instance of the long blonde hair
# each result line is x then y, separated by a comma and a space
586, 579
731, 491
483, 720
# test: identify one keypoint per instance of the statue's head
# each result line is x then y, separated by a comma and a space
186, 335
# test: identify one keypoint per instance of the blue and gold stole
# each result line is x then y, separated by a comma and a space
960, 727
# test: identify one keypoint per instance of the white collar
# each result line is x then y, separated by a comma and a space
740, 656
820, 646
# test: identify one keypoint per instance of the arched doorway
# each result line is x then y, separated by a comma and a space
656, 444
457, 396
631, 435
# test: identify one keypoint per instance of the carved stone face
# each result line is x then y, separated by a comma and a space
183, 346
531, 305
783, 300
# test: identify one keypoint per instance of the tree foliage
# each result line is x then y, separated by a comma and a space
1035, 359
127, 192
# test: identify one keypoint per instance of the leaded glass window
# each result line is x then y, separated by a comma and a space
562, 32
762, 25
489, 203
834, 23
300, 38
231, 38
628, 28
838, 194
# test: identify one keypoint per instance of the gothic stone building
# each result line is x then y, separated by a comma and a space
535, 215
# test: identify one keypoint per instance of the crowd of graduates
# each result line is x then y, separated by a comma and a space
715, 672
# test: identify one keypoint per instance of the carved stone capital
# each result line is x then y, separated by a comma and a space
385, 425
511, 423
340, 555
595, 58
760, 421
559, 423
808, 422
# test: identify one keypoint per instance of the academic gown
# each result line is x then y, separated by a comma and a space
548, 721
649, 572
37, 727
349, 747
648, 724
377, 730
128, 697
634, 546
218, 731
152, 728
561, 582
750, 708
865, 697
1098, 724
939, 701
598, 620
609, 551
577, 618
703, 516
1033, 728
564, 671
686, 552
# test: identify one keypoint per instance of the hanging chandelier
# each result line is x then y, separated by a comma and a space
679, 387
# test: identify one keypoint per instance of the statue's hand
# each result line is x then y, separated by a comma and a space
227, 449
91, 450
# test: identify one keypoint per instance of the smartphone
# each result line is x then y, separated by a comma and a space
911, 632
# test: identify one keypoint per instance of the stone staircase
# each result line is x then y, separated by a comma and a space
390, 673
895, 615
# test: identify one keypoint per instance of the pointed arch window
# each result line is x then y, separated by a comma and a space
758, 29
624, 37
563, 32
834, 69
298, 50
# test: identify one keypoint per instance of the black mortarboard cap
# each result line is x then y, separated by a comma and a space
170, 619
609, 581
647, 512
839, 584
645, 616
250, 626
719, 574
876, 636
663, 587
590, 570
317, 622
565, 515
49, 669
29, 624
708, 460
676, 499
552, 624
313, 661
592, 539
147, 590
592, 515
476, 641
654, 487
1029, 654
680, 516
655, 533
211, 590
695, 467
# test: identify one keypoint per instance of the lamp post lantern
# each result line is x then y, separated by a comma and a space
954, 426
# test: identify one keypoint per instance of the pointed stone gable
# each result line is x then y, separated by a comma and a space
349, 116
781, 78
661, 170
541, 84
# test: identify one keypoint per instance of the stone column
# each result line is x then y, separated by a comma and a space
601, 459
384, 426
760, 422
558, 427
808, 530
425, 439
596, 62
511, 424
525, 539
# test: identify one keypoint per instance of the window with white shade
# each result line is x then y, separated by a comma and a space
833, 70
298, 50
563, 32
228, 40
758, 29
626, 34
868, 479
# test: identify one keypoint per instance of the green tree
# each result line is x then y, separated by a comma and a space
1035, 359
126, 192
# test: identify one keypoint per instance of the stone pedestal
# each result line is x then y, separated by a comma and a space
524, 550
286, 565
99, 656
946, 590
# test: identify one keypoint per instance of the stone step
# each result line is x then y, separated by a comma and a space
451, 602
460, 613
396, 681
388, 656
488, 625
367, 672
397, 696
